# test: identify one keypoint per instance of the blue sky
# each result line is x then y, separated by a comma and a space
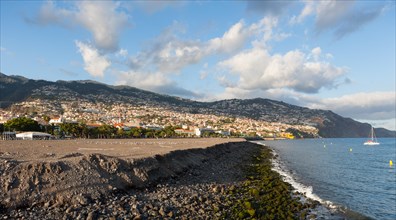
333, 55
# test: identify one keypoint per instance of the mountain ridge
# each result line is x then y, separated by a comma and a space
16, 89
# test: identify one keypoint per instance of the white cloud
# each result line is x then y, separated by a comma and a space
142, 80
316, 52
330, 13
168, 53
163, 57
122, 53
389, 124
341, 17
234, 92
203, 75
253, 71
376, 108
282, 94
49, 14
264, 31
103, 19
356, 19
175, 55
94, 63
226, 82
257, 69
369, 106
308, 9
232, 40
154, 81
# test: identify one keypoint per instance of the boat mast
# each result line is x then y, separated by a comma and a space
373, 135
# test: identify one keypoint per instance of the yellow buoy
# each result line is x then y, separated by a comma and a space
350, 149
390, 163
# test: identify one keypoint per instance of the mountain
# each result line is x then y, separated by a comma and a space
14, 89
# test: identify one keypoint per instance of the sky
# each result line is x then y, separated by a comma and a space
331, 55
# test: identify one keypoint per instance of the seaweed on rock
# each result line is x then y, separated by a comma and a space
266, 195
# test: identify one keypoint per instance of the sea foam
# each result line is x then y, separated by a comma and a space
327, 208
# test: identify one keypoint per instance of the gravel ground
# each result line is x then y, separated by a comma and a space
198, 192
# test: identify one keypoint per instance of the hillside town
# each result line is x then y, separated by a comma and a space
126, 116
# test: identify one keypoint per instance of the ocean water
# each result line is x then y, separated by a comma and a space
343, 174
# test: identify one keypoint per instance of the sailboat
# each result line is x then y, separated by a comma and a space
373, 139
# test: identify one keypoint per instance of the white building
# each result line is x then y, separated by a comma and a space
33, 136
200, 131
224, 133
55, 121
189, 133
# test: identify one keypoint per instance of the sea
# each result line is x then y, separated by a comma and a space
344, 175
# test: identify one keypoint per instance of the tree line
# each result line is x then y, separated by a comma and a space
82, 130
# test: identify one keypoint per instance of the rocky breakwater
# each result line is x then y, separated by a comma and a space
180, 184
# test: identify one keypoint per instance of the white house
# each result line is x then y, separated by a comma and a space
58, 120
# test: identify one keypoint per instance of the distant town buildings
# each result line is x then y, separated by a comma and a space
127, 115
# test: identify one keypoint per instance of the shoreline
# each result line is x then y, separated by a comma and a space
200, 183
325, 209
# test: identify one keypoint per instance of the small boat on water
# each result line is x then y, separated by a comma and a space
372, 139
